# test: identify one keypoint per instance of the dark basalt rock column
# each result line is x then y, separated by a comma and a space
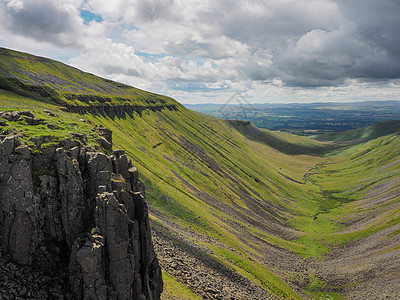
80, 211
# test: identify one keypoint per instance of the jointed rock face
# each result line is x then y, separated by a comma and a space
78, 215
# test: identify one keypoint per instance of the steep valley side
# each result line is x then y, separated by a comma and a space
278, 217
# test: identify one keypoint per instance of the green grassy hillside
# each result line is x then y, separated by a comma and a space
46, 79
284, 142
270, 207
362, 134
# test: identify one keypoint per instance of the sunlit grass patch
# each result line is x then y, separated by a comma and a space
173, 289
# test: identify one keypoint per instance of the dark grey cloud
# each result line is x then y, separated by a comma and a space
377, 21
208, 48
190, 47
43, 21
357, 39
314, 43
150, 10
111, 69
270, 23
378, 24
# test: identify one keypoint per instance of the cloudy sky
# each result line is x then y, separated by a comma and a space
201, 51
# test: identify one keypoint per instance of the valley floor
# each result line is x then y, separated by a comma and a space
351, 242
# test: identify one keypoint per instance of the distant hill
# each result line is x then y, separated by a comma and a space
281, 141
362, 134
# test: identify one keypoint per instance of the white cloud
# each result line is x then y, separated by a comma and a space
198, 48
16, 5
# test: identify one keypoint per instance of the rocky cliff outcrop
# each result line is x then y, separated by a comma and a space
119, 111
77, 216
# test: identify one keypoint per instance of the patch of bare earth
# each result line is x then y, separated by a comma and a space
183, 255
369, 267
365, 269
193, 266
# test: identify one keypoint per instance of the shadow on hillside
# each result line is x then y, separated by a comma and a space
262, 136
333, 141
